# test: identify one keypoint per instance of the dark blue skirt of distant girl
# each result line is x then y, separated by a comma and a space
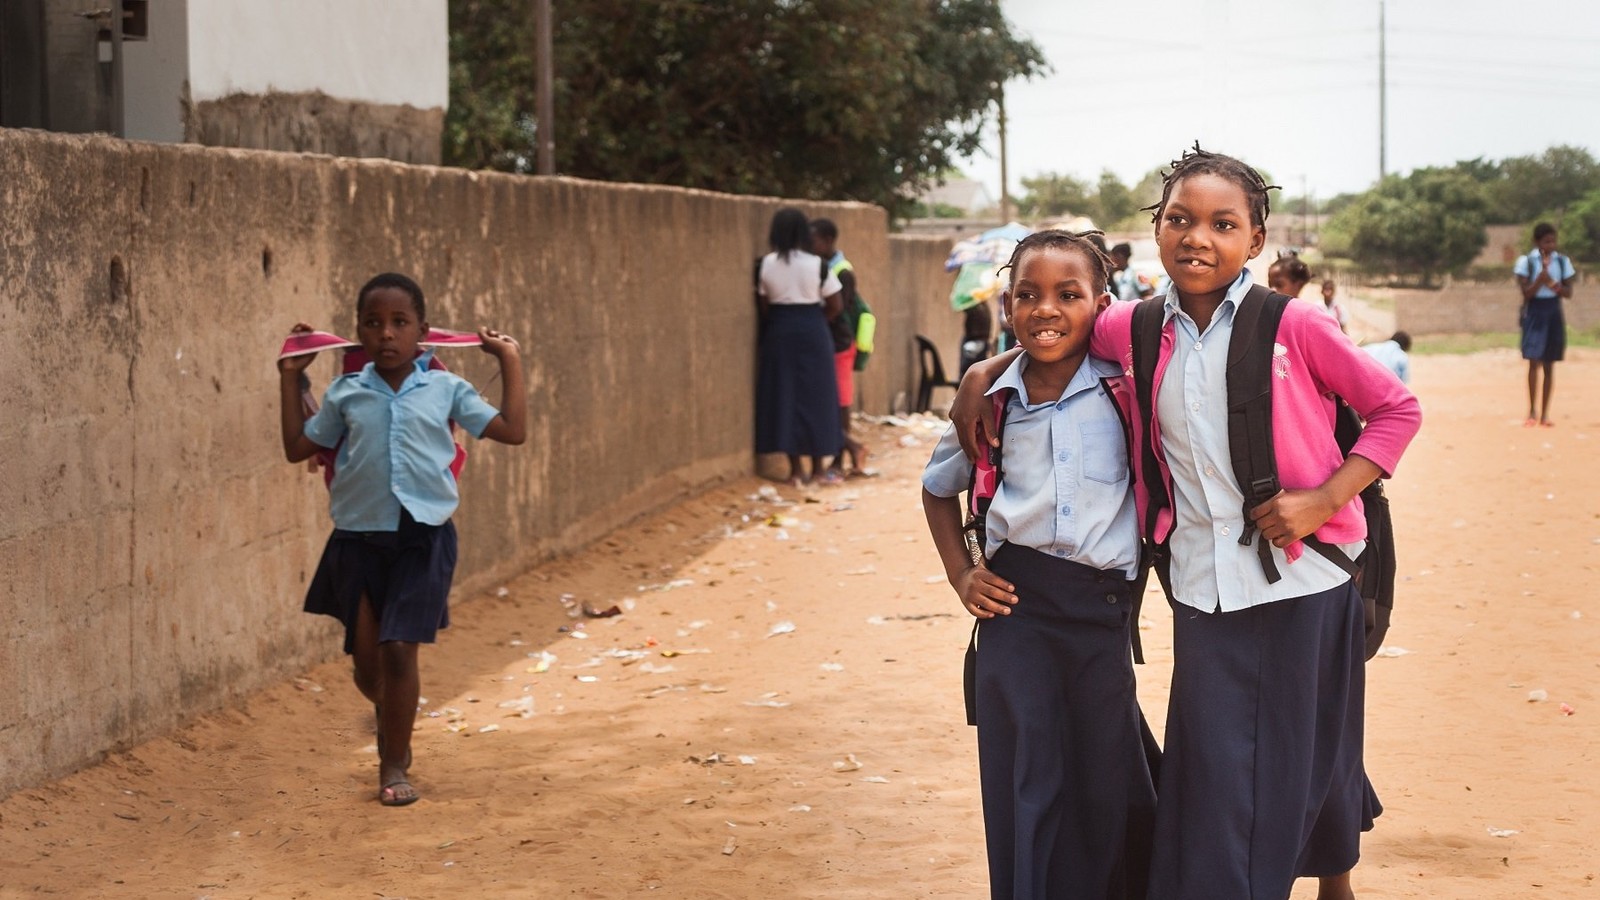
797, 394
1544, 330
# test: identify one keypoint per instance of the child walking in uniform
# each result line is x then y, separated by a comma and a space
386, 570
1262, 779
1067, 789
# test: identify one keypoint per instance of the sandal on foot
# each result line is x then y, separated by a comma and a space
398, 792
1529, 423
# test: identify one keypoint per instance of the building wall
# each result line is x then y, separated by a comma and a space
155, 547
155, 74
354, 78
1479, 308
386, 52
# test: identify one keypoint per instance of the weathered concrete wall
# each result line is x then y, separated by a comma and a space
921, 306
316, 123
154, 547
1478, 308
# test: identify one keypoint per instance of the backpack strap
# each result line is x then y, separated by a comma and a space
1249, 379
987, 472
1148, 320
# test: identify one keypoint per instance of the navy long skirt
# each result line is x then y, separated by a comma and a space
1262, 778
797, 393
1544, 330
1068, 795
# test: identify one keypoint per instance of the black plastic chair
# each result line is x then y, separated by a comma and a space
932, 374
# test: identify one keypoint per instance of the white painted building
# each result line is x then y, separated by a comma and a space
350, 77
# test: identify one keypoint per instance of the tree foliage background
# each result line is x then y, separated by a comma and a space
828, 99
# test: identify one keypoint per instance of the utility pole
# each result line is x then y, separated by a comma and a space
544, 86
1383, 95
1005, 181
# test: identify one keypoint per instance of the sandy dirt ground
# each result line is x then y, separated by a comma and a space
776, 712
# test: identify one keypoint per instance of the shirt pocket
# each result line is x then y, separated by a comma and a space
1105, 455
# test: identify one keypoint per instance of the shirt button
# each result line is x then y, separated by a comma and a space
1199, 345
1061, 553
1063, 456
1066, 510
1226, 530
1195, 406
1111, 598
1211, 471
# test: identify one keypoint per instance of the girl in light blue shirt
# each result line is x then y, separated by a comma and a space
1068, 793
387, 568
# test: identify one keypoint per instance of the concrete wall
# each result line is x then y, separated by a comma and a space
154, 547
1478, 308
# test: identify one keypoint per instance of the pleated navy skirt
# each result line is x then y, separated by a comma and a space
797, 394
405, 575
1262, 779
1063, 755
1544, 330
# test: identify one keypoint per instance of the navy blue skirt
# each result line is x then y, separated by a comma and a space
405, 575
1262, 778
1544, 330
1064, 764
797, 392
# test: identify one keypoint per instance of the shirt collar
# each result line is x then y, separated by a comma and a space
419, 374
1089, 373
1230, 300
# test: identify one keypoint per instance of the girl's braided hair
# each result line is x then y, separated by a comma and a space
1203, 162
1082, 241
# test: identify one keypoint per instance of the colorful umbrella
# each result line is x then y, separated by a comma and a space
993, 246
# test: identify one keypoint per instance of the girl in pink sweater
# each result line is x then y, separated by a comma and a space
1262, 779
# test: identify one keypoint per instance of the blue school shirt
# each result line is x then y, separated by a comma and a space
1211, 570
1065, 490
1393, 358
1528, 267
397, 445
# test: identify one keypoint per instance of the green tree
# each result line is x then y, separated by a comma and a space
838, 99
1528, 186
1421, 225
1050, 196
1115, 201
1579, 228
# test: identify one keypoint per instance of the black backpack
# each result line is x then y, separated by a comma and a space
1255, 465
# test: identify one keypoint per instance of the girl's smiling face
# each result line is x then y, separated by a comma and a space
1206, 235
1052, 303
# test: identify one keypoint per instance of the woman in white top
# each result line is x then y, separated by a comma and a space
797, 398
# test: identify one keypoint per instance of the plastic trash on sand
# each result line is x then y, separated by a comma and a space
520, 706
785, 627
1501, 832
848, 764
1538, 695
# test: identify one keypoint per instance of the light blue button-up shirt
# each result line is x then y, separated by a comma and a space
1211, 570
397, 447
1064, 488
1528, 267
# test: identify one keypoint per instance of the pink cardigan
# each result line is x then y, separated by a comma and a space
1312, 360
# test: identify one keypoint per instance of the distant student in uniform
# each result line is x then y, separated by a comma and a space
1262, 779
1068, 793
1394, 354
1545, 278
386, 570
842, 328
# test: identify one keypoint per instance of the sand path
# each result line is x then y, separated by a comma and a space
831, 760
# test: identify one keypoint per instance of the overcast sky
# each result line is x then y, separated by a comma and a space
1291, 86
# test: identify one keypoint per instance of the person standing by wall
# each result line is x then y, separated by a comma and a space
797, 392
842, 326
1545, 277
